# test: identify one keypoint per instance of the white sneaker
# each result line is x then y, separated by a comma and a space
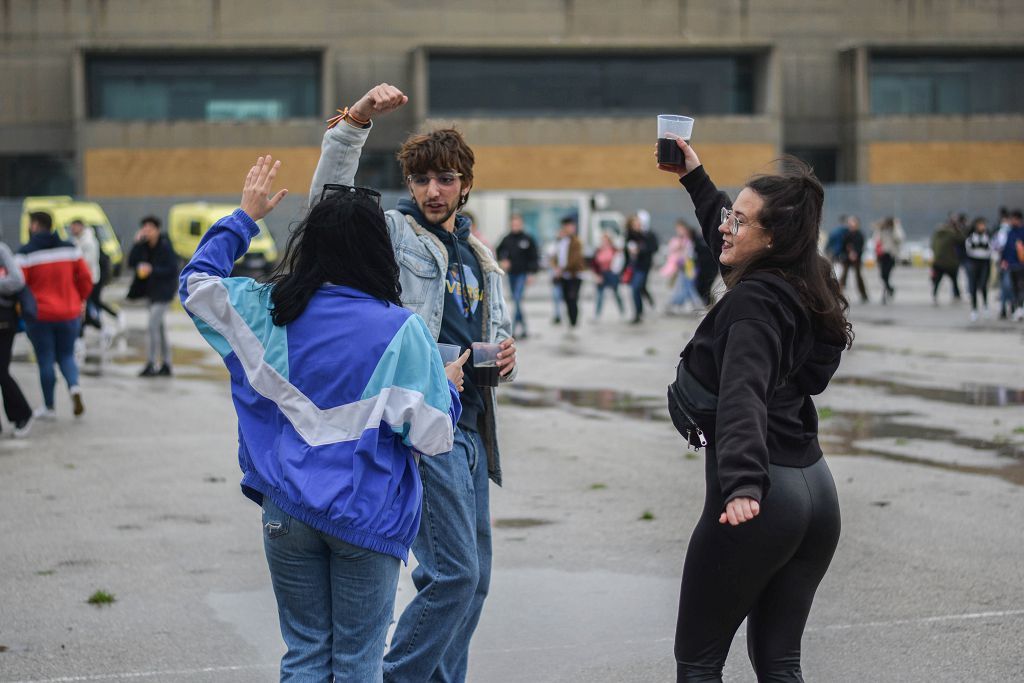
44, 413
974, 315
20, 432
1018, 315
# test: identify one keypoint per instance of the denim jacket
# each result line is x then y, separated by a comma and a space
423, 260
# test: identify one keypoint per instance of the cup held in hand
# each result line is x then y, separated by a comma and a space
485, 364
670, 128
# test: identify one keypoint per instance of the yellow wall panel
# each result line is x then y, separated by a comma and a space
551, 167
945, 162
183, 172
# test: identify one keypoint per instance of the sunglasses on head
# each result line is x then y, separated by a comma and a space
332, 189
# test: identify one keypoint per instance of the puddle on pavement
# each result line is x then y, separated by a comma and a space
519, 523
845, 433
605, 400
968, 394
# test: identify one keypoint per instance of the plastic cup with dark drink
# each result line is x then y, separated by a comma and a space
485, 364
671, 128
449, 352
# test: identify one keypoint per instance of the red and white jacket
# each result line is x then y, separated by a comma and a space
57, 276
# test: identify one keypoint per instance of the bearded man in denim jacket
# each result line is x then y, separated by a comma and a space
454, 283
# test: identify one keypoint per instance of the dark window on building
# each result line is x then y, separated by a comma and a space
606, 85
202, 87
823, 160
379, 170
36, 175
952, 85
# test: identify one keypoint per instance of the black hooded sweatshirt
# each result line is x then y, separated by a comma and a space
759, 351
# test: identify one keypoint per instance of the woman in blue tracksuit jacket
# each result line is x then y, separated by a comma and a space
338, 391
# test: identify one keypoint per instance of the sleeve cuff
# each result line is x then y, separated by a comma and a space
348, 134
247, 222
692, 179
751, 491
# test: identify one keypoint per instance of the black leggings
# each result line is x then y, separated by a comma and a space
571, 294
765, 570
977, 280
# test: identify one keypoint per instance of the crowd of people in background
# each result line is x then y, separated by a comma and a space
988, 257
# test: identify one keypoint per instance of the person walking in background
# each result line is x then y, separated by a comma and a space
327, 448
853, 256
679, 270
518, 256
454, 283
607, 264
551, 253
888, 240
12, 281
978, 250
836, 240
946, 243
1003, 279
156, 277
771, 520
639, 258
644, 217
567, 265
1012, 261
59, 279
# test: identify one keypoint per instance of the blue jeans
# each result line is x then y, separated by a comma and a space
517, 283
453, 548
334, 601
638, 283
685, 291
54, 343
609, 280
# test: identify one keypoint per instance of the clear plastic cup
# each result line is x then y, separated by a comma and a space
449, 352
485, 364
671, 128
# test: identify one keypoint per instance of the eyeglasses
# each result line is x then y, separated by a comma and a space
446, 179
734, 221
354, 192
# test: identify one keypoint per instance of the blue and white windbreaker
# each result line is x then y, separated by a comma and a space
333, 407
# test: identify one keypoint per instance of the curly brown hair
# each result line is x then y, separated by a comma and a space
440, 150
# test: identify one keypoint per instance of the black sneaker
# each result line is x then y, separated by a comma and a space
165, 370
148, 371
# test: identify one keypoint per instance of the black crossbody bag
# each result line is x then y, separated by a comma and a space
690, 405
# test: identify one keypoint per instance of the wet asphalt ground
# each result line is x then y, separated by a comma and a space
923, 427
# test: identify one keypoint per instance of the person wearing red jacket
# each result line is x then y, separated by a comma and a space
60, 281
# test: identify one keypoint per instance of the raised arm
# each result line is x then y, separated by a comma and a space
228, 239
708, 201
344, 139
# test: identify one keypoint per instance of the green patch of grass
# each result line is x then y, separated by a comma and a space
100, 598
647, 516
46, 572
690, 455
824, 413
901, 442
598, 486
1018, 430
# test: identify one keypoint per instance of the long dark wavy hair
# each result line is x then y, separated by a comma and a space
343, 240
792, 216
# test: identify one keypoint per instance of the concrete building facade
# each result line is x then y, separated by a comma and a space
134, 98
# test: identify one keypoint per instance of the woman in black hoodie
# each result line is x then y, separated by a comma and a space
770, 522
